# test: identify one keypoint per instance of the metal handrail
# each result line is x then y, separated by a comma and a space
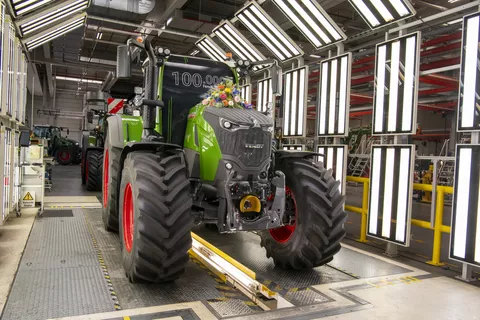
438, 227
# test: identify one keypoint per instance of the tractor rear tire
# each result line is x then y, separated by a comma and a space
94, 170
315, 237
155, 217
111, 166
64, 156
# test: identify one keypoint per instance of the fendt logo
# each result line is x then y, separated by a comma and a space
253, 146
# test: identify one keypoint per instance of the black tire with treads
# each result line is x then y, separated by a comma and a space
110, 198
320, 217
162, 216
94, 166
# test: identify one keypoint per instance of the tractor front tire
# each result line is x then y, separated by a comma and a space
111, 166
94, 170
155, 217
64, 156
314, 197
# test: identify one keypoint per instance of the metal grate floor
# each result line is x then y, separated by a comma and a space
59, 274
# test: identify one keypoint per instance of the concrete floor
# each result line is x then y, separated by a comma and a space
421, 291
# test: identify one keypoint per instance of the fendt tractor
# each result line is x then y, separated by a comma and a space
65, 151
92, 152
176, 166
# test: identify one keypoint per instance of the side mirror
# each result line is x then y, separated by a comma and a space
124, 68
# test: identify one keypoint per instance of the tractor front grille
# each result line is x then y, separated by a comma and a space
251, 146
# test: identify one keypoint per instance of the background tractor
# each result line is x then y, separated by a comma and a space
92, 152
175, 166
64, 150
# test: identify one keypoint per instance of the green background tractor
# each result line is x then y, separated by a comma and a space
175, 165
92, 152
64, 150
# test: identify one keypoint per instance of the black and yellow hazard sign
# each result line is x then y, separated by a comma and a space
28, 197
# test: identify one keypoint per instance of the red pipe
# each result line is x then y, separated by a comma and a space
437, 90
453, 46
440, 64
447, 38
362, 80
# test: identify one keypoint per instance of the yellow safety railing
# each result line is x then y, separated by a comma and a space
438, 227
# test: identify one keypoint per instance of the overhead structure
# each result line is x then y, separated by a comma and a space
391, 174
396, 85
237, 43
315, 24
54, 32
211, 49
379, 13
469, 100
334, 96
267, 31
294, 102
51, 15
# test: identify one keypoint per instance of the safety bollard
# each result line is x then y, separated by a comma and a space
437, 229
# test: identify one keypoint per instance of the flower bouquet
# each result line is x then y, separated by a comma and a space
225, 95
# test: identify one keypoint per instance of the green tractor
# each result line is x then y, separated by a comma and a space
65, 151
92, 152
176, 166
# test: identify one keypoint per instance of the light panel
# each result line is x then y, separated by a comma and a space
78, 80
22, 7
55, 32
49, 16
465, 233
294, 102
293, 147
211, 49
379, 13
264, 94
262, 26
334, 96
469, 99
315, 24
246, 92
391, 174
396, 85
335, 158
238, 44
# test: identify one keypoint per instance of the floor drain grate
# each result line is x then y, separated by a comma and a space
57, 214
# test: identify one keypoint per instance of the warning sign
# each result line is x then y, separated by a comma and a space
28, 199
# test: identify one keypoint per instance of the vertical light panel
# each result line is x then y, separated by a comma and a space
264, 94
379, 13
293, 147
272, 36
2, 23
294, 102
391, 174
246, 92
469, 99
465, 235
335, 157
315, 24
211, 49
334, 96
396, 85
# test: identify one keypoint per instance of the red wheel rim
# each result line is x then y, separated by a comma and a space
86, 171
284, 233
64, 156
105, 179
128, 217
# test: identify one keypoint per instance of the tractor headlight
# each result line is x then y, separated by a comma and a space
240, 63
227, 124
246, 63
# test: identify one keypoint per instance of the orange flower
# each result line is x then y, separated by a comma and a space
225, 103
221, 87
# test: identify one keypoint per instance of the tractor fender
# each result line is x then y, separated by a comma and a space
115, 131
282, 154
147, 147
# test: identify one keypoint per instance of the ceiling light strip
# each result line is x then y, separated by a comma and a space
21, 8
377, 13
53, 33
56, 31
312, 21
268, 32
211, 49
51, 17
295, 102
